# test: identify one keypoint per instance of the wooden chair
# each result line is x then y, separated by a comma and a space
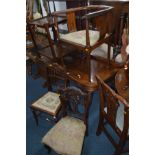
88, 28
114, 110
48, 103
67, 136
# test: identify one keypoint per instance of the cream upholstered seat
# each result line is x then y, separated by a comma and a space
48, 103
67, 136
37, 15
79, 37
102, 51
119, 58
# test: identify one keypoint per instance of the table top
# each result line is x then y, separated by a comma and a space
122, 83
76, 69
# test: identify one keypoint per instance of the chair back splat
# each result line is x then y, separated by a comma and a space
73, 99
114, 110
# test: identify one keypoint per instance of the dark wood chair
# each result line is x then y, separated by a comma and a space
49, 103
67, 135
114, 110
88, 28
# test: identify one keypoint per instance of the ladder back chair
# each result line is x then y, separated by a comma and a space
114, 110
67, 136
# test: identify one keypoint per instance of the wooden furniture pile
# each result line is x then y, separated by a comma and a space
68, 56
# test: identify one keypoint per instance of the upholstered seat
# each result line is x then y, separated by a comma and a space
67, 136
102, 51
37, 15
119, 58
79, 37
49, 103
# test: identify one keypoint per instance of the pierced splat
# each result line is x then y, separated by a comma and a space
114, 109
73, 97
112, 106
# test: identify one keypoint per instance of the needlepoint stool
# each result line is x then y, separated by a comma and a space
49, 103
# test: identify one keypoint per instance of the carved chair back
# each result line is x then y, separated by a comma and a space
114, 110
73, 102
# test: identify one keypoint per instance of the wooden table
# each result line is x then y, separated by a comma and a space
122, 83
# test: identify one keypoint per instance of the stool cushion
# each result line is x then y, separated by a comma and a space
49, 102
66, 137
79, 37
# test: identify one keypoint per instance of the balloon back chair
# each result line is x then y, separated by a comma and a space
114, 110
67, 136
88, 28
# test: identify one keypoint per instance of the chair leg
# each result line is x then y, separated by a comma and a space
29, 69
35, 117
100, 124
48, 148
88, 102
120, 146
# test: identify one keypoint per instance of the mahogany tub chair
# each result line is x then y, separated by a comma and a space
88, 28
114, 110
67, 135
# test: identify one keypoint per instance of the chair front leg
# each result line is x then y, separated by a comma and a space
100, 124
47, 148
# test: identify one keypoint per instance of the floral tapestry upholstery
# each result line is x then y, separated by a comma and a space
79, 37
49, 102
102, 51
67, 136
